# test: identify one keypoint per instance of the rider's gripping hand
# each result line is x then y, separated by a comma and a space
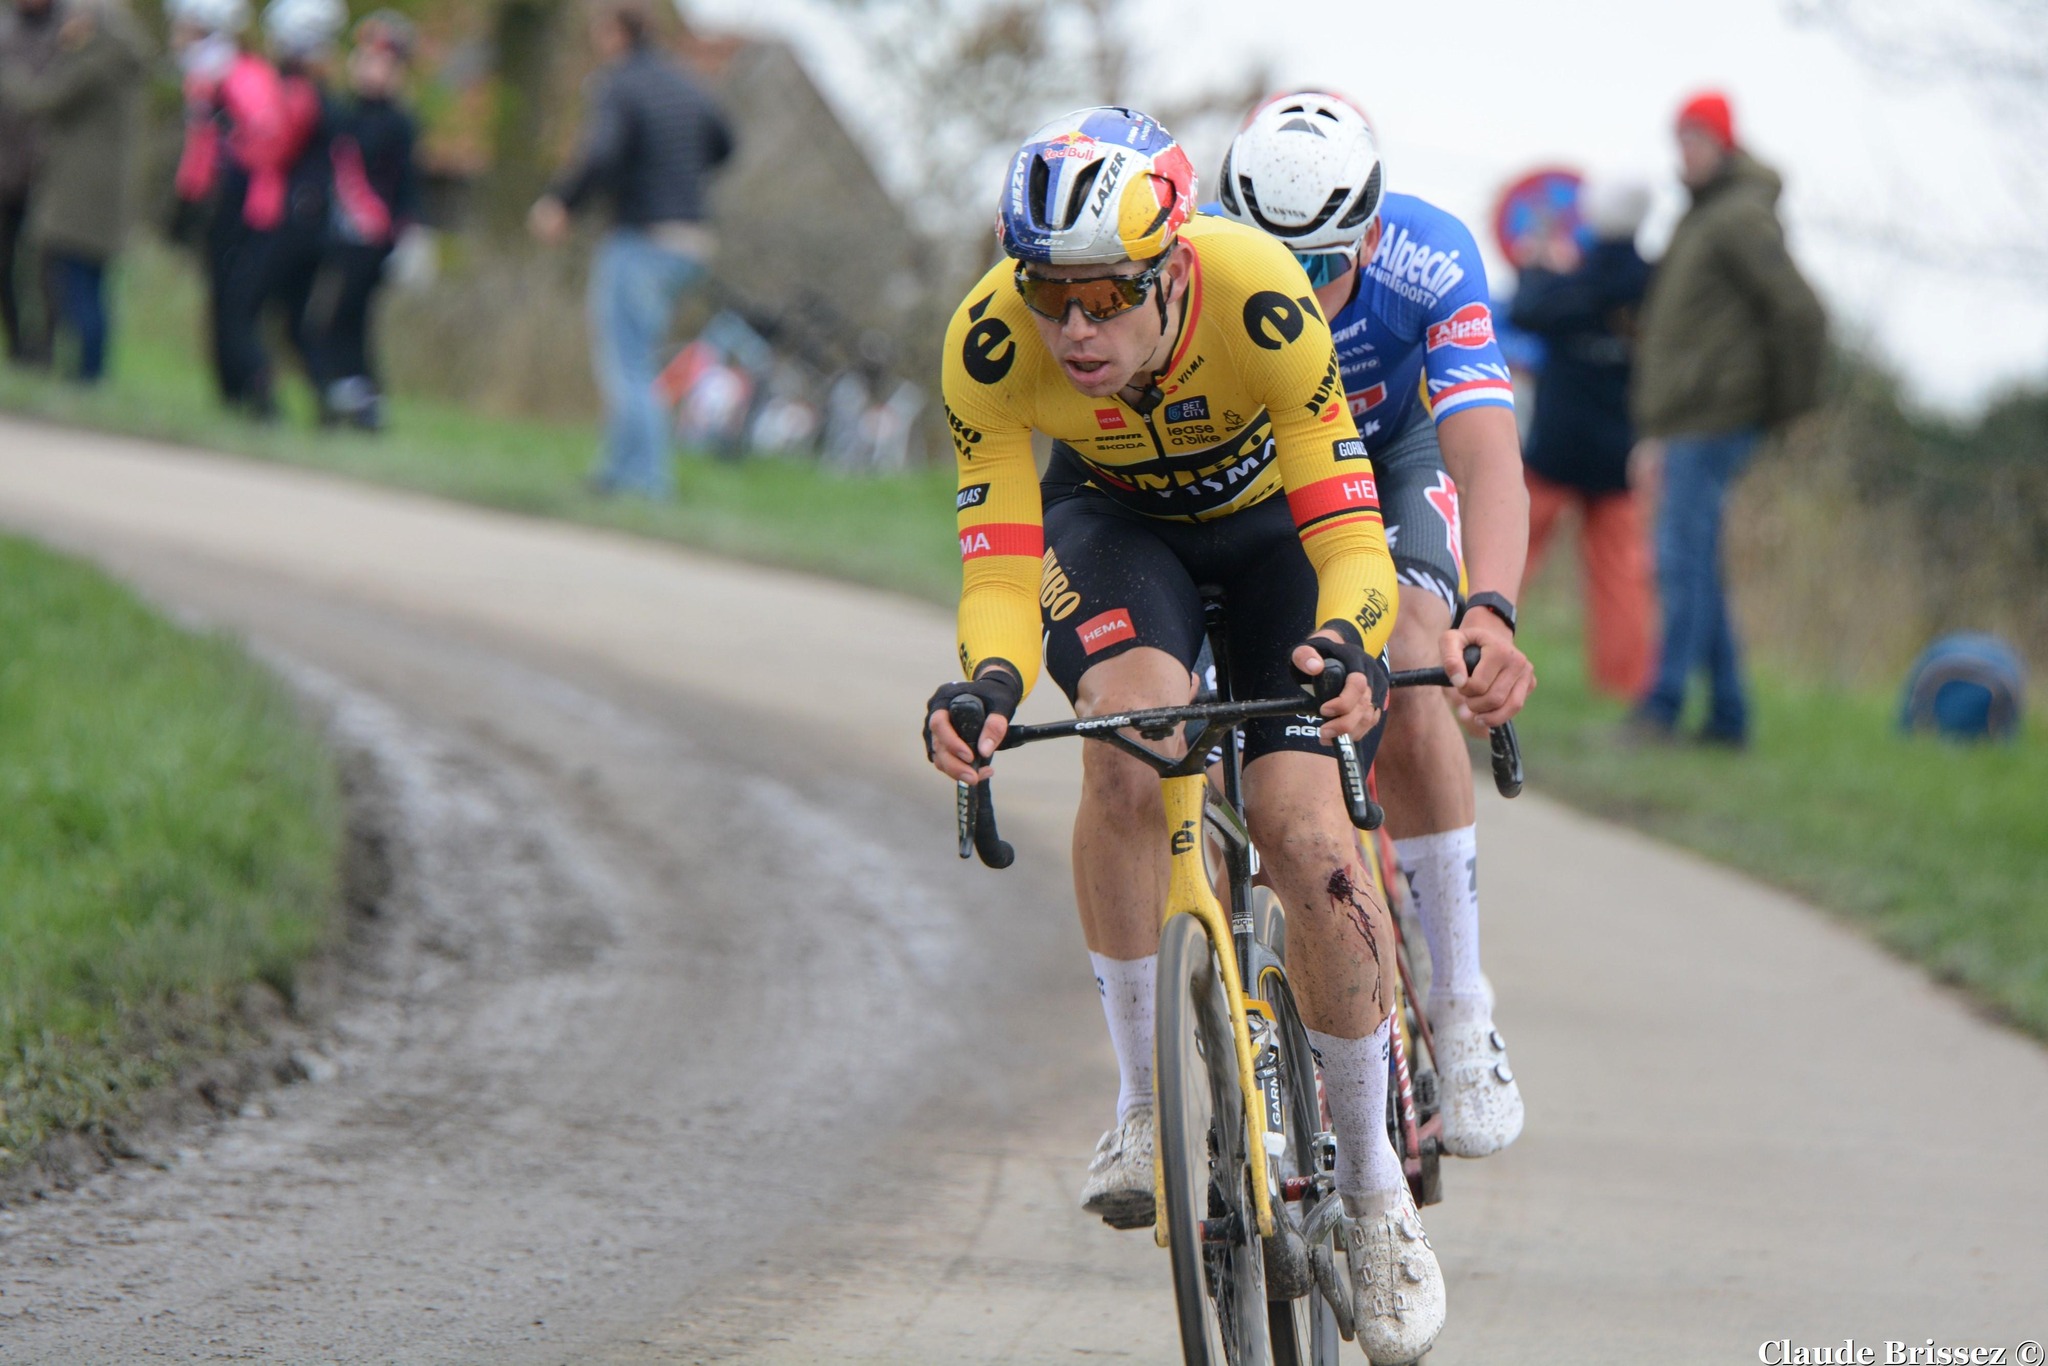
1494, 691
1000, 692
1357, 708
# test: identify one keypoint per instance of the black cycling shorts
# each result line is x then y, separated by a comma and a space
1420, 505
1116, 579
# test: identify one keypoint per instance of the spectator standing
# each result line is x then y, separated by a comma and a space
650, 139
1584, 304
1731, 347
232, 110
282, 262
28, 43
86, 103
376, 198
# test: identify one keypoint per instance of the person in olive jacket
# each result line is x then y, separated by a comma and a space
1732, 345
86, 102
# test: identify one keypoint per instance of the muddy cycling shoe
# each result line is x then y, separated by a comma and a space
1480, 1103
1120, 1174
1397, 1289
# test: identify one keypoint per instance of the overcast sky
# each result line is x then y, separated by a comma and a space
1468, 96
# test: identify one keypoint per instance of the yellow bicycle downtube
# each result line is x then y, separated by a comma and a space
1190, 891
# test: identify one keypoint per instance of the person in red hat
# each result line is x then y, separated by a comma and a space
1731, 347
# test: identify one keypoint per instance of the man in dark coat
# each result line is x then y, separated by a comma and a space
651, 138
1732, 347
86, 103
1584, 304
28, 43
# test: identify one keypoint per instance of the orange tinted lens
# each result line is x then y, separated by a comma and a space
1100, 299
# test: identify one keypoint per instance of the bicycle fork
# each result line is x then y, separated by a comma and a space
1189, 891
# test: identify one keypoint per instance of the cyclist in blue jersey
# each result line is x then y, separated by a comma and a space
1404, 289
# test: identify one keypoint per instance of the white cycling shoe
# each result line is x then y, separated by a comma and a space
1120, 1174
1397, 1288
1477, 1095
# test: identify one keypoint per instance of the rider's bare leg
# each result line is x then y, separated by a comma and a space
1340, 957
1121, 861
1425, 783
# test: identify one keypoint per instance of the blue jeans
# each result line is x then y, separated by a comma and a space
634, 285
80, 289
1697, 636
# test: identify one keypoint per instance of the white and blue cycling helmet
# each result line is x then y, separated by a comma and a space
1096, 187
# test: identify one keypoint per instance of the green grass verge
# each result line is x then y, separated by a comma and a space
1937, 849
169, 833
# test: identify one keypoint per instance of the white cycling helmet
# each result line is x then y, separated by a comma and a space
303, 28
1306, 168
211, 16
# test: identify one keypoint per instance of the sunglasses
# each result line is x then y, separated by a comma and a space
1325, 266
1101, 298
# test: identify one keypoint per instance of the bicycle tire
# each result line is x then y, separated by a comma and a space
1219, 1286
1304, 1329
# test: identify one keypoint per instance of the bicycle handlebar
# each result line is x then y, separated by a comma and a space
975, 802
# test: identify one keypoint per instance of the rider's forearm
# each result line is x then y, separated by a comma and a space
1483, 454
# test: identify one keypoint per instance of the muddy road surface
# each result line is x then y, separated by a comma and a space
682, 1036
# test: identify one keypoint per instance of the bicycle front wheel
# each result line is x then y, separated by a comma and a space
1211, 1225
1304, 1330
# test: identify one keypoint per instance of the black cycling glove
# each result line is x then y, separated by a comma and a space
1349, 652
999, 691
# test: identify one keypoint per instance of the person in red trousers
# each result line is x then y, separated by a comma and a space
1582, 301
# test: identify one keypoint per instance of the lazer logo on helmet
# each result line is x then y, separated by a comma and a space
1106, 181
1189, 410
1470, 327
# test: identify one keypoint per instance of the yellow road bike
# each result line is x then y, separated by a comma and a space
1247, 1206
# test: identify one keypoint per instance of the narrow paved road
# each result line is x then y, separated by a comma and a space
701, 1046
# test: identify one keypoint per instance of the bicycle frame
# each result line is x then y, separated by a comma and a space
1189, 893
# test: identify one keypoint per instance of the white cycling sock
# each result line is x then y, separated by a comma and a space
1129, 988
1443, 882
1355, 1088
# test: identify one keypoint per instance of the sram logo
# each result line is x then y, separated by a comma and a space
1470, 327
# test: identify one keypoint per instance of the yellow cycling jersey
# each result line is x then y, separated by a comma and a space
1251, 404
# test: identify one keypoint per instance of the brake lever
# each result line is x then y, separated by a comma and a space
1365, 813
974, 803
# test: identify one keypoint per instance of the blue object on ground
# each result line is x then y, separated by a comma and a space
1967, 686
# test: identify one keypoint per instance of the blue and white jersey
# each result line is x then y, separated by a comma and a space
1419, 327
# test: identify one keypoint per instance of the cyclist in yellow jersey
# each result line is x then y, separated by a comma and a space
1201, 437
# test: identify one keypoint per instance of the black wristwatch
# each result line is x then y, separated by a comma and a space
1492, 602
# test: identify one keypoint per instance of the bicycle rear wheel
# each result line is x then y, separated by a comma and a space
1211, 1226
1303, 1329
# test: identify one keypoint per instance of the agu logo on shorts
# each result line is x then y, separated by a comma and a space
1470, 327
1100, 632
